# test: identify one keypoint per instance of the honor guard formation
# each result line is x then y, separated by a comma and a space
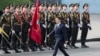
15, 26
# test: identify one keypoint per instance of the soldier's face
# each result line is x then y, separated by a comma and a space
40, 8
71, 8
49, 8
64, 8
32, 9
18, 10
76, 8
86, 8
25, 9
53, 8
44, 8
7, 10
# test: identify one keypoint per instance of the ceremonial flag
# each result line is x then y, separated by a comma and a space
35, 31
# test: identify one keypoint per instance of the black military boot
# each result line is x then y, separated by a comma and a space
32, 48
6, 51
84, 46
40, 47
17, 51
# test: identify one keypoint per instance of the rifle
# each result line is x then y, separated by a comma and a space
4, 35
45, 24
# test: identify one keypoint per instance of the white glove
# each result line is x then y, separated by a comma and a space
47, 36
44, 26
79, 25
20, 33
13, 31
89, 25
66, 25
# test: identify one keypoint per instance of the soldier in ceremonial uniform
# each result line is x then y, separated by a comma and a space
65, 19
85, 25
76, 25
16, 28
6, 25
42, 23
49, 10
70, 16
25, 27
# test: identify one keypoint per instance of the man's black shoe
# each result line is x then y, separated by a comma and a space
84, 46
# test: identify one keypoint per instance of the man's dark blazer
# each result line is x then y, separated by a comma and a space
60, 33
60, 36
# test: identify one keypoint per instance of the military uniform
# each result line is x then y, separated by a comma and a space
70, 16
65, 21
43, 27
76, 21
70, 26
25, 28
17, 23
85, 26
6, 25
17, 28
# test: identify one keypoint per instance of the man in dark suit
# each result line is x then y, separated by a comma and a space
60, 36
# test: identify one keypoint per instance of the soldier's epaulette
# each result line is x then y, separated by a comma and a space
3, 14
1, 17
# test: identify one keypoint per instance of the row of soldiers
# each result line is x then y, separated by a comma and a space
16, 23
73, 20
